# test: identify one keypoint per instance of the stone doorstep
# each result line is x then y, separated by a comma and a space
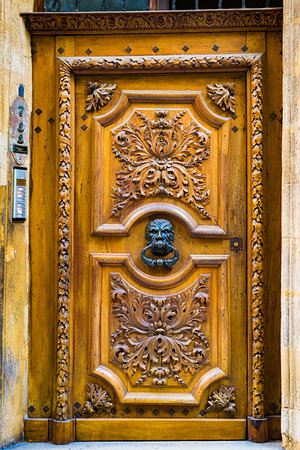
152, 445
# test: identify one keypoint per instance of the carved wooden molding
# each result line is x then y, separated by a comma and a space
171, 21
98, 401
158, 282
223, 95
98, 95
256, 251
193, 63
222, 399
193, 228
159, 337
64, 239
160, 156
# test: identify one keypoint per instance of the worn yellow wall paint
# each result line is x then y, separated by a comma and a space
15, 68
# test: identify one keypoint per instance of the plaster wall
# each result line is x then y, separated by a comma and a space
290, 332
15, 68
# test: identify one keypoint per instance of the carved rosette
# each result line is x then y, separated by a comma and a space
222, 399
161, 157
65, 205
223, 95
98, 401
98, 95
159, 337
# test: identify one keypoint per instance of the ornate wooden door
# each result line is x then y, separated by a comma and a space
147, 170
159, 257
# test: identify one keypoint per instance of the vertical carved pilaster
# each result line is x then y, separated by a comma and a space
257, 238
63, 243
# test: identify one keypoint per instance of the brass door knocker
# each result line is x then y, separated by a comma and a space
159, 239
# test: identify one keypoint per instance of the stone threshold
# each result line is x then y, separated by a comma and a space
152, 445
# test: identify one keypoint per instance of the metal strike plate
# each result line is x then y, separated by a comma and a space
236, 244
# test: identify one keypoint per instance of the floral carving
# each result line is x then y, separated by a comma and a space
160, 62
223, 95
161, 157
98, 95
153, 21
64, 237
223, 398
257, 239
98, 402
159, 336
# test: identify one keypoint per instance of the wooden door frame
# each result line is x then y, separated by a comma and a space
62, 428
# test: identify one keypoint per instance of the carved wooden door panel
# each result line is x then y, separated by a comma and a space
159, 258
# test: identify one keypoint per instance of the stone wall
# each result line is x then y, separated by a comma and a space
290, 332
15, 68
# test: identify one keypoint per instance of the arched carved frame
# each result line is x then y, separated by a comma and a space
253, 65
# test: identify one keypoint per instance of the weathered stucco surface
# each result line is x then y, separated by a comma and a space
290, 334
15, 68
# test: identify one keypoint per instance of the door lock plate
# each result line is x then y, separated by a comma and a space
236, 244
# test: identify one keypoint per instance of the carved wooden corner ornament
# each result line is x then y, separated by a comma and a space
98, 402
98, 95
223, 95
224, 399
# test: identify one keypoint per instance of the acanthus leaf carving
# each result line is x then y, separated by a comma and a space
159, 336
98, 95
224, 399
98, 401
223, 95
161, 157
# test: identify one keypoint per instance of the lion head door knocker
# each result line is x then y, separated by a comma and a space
159, 239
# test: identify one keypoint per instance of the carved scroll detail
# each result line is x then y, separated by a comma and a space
99, 95
64, 260
98, 401
224, 399
159, 337
152, 21
223, 95
65, 206
161, 157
